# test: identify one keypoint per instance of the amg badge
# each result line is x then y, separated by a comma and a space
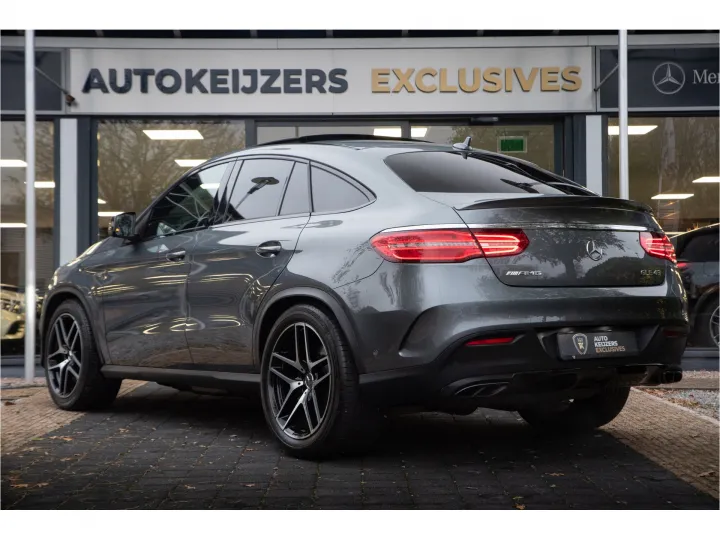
523, 273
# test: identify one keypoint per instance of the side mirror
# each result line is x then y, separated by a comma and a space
123, 226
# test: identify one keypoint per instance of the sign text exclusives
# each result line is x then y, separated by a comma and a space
492, 79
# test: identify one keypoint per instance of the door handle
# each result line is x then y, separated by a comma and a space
176, 255
269, 249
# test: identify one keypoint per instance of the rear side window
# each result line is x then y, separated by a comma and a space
297, 195
330, 193
450, 172
258, 189
702, 248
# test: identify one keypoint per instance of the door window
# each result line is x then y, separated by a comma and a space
188, 205
297, 194
330, 193
258, 189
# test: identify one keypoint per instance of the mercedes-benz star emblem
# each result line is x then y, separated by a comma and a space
593, 251
668, 78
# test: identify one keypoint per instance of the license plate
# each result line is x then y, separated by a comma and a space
581, 345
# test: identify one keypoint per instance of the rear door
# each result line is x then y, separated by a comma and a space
235, 262
539, 230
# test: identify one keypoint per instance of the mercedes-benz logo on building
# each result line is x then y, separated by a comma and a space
668, 78
593, 251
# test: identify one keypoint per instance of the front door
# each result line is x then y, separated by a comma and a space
143, 284
237, 260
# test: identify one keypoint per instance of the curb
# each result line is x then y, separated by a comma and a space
681, 408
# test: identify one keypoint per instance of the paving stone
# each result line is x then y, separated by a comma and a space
159, 448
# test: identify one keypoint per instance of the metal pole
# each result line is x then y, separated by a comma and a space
30, 302
623, 116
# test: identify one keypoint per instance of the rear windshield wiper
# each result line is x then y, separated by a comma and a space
525, 186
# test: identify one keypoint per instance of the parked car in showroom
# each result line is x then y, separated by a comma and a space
12, 324
344, 275
698, 254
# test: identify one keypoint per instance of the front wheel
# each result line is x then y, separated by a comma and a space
580, 414
310, 391
72, 362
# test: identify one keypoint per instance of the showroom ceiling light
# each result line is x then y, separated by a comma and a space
173, 134
100, 201
210, 187
632, 130
12, 163
671, 196
190, 162
12, 225
110, 213
707, 180
415, 132
44, 184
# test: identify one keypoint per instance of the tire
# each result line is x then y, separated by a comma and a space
580, 415
89, 390
340, 422
706, 324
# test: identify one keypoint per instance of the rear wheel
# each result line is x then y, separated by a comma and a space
707, 330
580, 414
72, 362
310, 391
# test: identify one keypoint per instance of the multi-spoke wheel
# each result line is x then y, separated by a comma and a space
299, 382
310, 385
72, 363
63, 364
715, 325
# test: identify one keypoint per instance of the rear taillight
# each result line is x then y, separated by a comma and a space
447, 245
657, 245
497, 243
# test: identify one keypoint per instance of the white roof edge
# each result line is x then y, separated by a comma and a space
361, 43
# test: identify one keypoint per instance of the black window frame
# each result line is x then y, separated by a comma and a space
230, 183
144, 218
344, 177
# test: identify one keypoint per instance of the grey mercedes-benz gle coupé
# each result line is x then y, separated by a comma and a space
341, 276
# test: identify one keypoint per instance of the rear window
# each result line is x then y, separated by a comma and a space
451, 172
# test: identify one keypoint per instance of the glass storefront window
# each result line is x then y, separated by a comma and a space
138, 159
673, 168
266, 134
535, 143
13, 224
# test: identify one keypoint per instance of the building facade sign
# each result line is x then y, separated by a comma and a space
662, 78
336, 81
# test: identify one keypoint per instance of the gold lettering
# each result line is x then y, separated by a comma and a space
571, 75
420, 83
492, 77
444, 86
462, 81
508, 79
526, 84
404, 80
549, 79
380, 80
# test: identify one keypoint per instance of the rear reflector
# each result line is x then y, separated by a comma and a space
448, 245
657, 245
489, 341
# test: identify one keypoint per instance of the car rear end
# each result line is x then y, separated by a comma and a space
538, 290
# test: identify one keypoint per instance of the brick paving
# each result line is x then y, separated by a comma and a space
29, 412
159, 448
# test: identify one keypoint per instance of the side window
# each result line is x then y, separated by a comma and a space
258, 189
330, 193
188, 205
702, 248
297, 194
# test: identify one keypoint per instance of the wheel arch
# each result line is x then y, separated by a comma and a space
280, 302
52, 302
705, 298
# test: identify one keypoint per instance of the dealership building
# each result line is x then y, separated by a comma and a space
120, 115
